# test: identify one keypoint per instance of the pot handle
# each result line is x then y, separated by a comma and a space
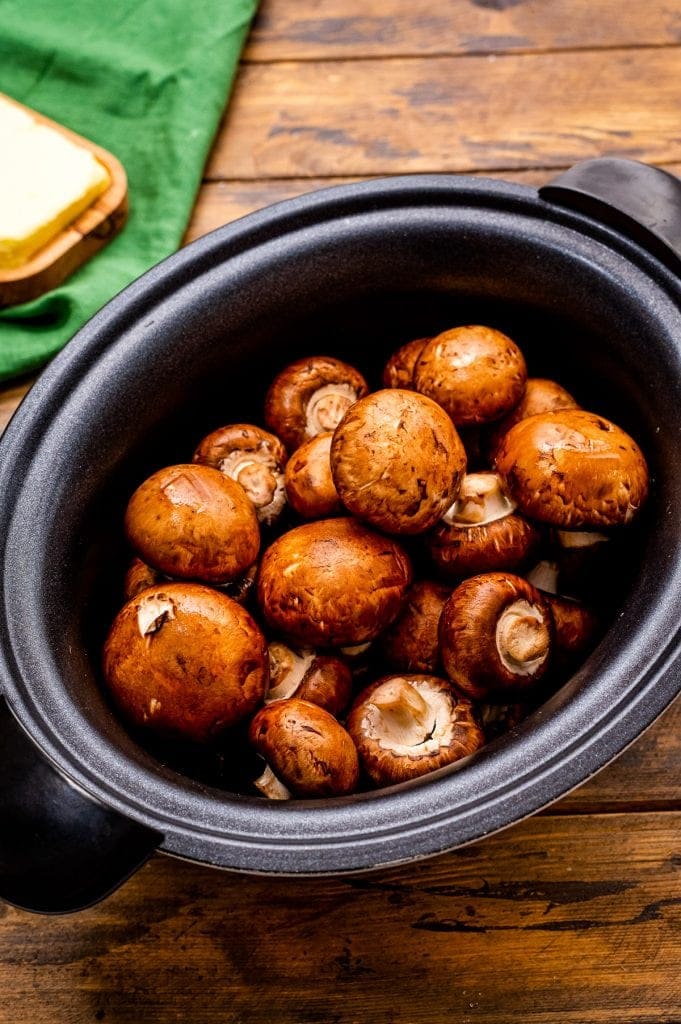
60, 851
642, 201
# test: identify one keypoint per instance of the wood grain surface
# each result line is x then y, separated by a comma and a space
355, 28
558, 921
571, 917
330, 118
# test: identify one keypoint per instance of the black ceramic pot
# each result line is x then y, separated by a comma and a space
584, 274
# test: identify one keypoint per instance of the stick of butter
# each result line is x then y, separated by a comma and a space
46, 181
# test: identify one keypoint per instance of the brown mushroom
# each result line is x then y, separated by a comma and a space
241, 588
185, 661
310, 489
139, 577
192, 522
332, 583
481, 532
408, 725
573, 469
541, 395
576, 625
320, 679
475, 373
498, 719
310, 397
399, 370
397, 461
411, 643
576, 629
255, 459
496, 636
305, 748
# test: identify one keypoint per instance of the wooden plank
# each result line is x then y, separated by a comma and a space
220, 202
557, 921
332, 118
341, 28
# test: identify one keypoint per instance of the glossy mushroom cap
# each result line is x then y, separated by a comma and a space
320, 679
397, 461
407, 726
306, 748
310, 397
139, 577
411, 643
399, 370
496, 636
310, 489
255, 459
475, 373
185, 661
480, 532
540, 396
576, 628
572, 469
192, 522
332, 583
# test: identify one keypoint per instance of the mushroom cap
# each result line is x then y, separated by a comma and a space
310, 489
332, 582
254, 458
184, 660
468, 551
541, 395
411, 643
480, 532
310, 397
477, 374
138, 577
306, 748
573, 468
406, 726
576, 627
327, 683
399, 370
192, 522
397, 461
318, 678
496, 636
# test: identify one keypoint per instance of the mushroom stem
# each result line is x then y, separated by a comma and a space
327, 406
544, 576
522, 637
580, 538
287, 669
481, 500
271, 787
406, 718
257, 479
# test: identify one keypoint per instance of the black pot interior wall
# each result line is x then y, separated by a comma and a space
206, 357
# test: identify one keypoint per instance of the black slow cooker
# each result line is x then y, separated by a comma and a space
584, 274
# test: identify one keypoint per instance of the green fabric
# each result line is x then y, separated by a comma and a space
146, 80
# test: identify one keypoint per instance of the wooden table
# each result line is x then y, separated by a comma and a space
572, 916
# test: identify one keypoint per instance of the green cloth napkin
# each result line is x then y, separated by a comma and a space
146, 79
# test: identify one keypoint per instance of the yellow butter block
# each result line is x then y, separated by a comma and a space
46, 182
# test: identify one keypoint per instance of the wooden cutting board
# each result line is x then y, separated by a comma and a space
75, 244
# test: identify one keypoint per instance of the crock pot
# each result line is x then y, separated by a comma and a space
584, 274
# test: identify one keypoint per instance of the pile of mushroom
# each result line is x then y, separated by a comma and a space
380, 582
